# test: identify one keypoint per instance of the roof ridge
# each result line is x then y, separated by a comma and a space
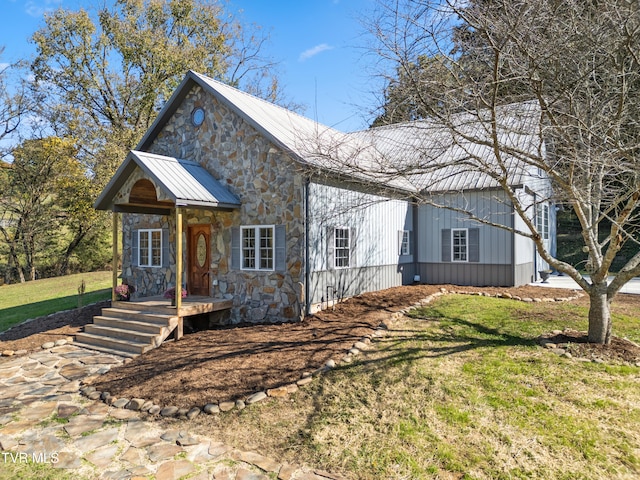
262, 100
164, 157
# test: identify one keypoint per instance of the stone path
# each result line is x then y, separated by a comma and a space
43, 418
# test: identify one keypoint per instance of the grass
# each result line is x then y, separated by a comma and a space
29, 470
19, 302
460, 391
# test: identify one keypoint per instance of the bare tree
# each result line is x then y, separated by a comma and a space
15, 102
506, 90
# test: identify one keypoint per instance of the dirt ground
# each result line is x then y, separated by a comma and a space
234, 362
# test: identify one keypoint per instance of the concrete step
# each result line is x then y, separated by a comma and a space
120, 333
142, 315
115, 344
126, 324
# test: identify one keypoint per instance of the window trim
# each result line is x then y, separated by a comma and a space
348, 248
149, 260
257, 249
466, 245
405, 247
542, 220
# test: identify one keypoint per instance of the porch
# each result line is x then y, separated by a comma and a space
132, 328
191, 305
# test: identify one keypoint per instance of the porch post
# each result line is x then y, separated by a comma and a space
179, 328
114, 273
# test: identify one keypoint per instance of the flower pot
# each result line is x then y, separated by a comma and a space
545, 274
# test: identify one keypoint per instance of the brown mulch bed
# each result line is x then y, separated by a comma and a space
234, 362
32, 334
619, 350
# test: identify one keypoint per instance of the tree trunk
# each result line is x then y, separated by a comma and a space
599, 315
64, 262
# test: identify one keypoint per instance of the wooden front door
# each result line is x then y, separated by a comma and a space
198, 259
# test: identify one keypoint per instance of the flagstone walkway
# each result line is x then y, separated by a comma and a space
43, 418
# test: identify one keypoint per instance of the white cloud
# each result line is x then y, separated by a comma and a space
38, 8
312, 52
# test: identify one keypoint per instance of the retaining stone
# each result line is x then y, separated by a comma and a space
120, 403
304, 381
169, 411
193, 413
256, 397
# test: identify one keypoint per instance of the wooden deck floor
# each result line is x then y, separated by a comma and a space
191, 305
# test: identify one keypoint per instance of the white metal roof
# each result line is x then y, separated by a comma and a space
411, 157
312, 143
415, 156
185, 182
461, 156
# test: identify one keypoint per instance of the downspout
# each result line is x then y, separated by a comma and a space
513, 248
414, 213
535, 248
307, 268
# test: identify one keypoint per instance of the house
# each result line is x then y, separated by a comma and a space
237, 199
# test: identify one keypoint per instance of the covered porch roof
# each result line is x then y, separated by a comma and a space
183, 183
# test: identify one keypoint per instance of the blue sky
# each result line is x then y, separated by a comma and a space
317, 42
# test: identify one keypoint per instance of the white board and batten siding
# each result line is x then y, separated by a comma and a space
375, 224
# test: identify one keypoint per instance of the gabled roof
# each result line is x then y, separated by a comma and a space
186, 183
309, 142
411, 157
461, 156
286, 129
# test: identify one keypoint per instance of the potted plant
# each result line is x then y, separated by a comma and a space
123, 292
170, 293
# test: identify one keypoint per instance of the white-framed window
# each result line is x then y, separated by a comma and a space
542, 221
257, 247
150, 247
342, 245
405, 247
459, 245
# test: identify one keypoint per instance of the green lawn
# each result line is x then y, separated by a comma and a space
461, 391
21, 301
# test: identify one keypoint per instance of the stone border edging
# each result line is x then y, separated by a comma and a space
44, 346
147, 406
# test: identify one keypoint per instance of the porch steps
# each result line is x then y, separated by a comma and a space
128, 330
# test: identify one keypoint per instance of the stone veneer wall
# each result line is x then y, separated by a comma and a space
271, 193
148, 281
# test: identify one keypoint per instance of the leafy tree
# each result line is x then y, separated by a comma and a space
577, 67
102, 76
27, 199
109, 73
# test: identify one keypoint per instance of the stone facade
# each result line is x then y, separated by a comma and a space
271, 193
